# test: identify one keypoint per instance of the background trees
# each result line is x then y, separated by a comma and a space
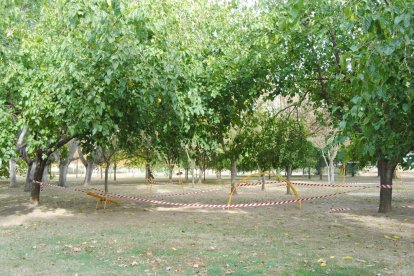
170, 79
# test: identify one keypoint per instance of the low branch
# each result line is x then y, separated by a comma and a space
54, 146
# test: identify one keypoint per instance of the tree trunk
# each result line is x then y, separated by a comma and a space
64, 162
192, 171
309, 173
12, 172
331, 171
29, 176
327, 163
40, 165
63, 172
147, 170
386, 169
233, 172
106, 176
186, 174
200, 175
88, 174
288, 174
263, 182
170, 173
101, 172
45, 176
218, 173
115, 166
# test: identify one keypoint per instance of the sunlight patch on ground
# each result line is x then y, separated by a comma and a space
4, 196
200, 210
383, 224
37, 213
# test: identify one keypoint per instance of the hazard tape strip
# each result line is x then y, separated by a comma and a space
385, 186
348, 185
198, 205
246, 184
336, 210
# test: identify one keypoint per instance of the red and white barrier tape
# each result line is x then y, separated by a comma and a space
198, 205
347, 185
336, 210
385, 186
246, 184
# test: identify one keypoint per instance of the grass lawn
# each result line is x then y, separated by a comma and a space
65, 235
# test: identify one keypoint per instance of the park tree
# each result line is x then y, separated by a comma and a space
381, 62
84, 70
64, 156
354, 60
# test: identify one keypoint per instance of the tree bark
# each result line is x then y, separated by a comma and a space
90, 166
65, 162
263, 182
288, 174
63, 172
233, 172
186, 174
386, 169
309, 173
40, 165
331, 171
218, 173
192, 172
45, 176
106, 176
200, 174
101, 172
170, 173
12, 172
29, 176
115, 166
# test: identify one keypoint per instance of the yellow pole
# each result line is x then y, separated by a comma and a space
261, 173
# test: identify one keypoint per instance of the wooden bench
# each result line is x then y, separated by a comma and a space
101, 198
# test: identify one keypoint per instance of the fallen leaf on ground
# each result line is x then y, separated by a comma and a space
347, 258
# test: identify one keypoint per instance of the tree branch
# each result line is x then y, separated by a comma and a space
54, 146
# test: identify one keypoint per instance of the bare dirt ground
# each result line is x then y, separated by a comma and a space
65, 235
